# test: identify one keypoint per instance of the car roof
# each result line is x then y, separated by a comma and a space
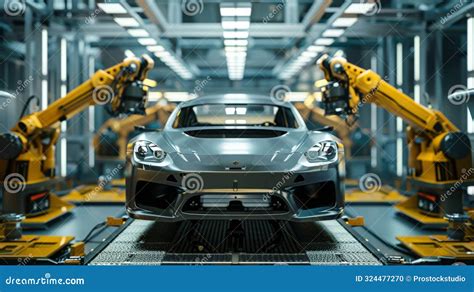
242, 98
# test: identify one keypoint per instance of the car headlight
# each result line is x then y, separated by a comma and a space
325, 151
147, 151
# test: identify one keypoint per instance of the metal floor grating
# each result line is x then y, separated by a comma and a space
212, 242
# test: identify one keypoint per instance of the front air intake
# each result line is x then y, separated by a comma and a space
235, 133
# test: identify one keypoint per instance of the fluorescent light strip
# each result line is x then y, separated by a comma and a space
147, 41
91, 117
174, 64
161, 54
44, 69
155, 48
236, 34
306, 56
126, 21
236, 54
399, 147
373, 121
315, 48
324, 42
333, 33
236, 11
309, 54
44, 52
63, 162
470, 68
240, 24
129, 54
399, 64
417, 94
359, 8
417, 69
235, 49
112, 8
63, 92
236, 42
152, 46
63, 60
417, 49
470, 44
399, 156
138, 32
344, 22
44, 94
470, 121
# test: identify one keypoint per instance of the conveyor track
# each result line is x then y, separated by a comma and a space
216, 242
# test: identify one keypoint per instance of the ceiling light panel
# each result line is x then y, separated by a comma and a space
147, 41
236, 11
344, 21
126, 21
138, 32
359, 8
112, 8
324, 42
333, 33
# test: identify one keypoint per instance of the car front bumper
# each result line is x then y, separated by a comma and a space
167, 194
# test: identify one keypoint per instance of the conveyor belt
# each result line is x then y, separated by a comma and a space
216, 242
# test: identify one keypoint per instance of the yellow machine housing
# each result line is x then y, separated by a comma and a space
27, 152
439, 154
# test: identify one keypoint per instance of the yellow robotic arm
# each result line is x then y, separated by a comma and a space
123, 127
27, 152
438, 151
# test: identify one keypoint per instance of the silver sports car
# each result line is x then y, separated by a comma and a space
235, 156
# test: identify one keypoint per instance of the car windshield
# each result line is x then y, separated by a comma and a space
235, 115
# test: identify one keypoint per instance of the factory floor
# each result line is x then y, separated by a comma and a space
382, 226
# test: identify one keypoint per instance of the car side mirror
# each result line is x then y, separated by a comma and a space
326, 129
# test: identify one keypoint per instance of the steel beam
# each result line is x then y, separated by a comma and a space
154, 14
316, 11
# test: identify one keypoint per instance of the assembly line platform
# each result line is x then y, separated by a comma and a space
138, 242
218, 242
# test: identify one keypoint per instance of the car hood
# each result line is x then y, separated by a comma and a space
266, 153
